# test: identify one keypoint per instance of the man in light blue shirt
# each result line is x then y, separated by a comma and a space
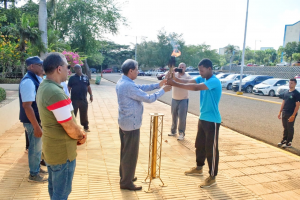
130, 98
30, 117
209, 120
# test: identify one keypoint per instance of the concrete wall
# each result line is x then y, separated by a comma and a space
276, 72
9, 115
10, 86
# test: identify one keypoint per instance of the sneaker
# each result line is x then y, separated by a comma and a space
38, 179
87, 130
43, 163
209, 181
181, 136
287, 145
281, 143
43, 171
171, 134
194, 171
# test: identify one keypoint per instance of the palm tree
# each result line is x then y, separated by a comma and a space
229, 49
26, 33
43, 24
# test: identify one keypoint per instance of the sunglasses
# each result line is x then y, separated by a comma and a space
69, 66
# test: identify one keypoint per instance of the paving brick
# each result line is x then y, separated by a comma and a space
247, 170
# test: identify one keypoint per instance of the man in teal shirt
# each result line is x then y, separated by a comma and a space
209, 121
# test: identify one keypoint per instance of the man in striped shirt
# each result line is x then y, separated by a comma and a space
61, 134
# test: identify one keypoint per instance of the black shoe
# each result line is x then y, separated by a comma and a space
134, 179
281, 143
132, 188
43, 163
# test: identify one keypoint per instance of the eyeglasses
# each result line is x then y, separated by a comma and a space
69, 66
40, 65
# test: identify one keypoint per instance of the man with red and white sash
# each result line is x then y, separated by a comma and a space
61, 134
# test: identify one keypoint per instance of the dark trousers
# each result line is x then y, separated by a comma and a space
27, 140
288, 127
207, 145
82, 105
130, 141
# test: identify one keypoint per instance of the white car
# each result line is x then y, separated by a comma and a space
227, 82
193, 74
283, 64
269, 86
282, 89
222, 75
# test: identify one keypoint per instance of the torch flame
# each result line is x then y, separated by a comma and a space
176, 53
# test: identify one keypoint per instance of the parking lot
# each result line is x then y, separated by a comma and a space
249, 114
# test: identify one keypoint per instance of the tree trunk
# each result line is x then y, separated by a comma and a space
43, 25
23, 66
87, 68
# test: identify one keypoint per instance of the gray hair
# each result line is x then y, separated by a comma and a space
182, 63
128, 65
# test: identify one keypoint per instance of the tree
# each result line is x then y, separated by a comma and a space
114, 54
296, 57
43, 24
81, 22
272, 54
288, 51
260, 55
26, 33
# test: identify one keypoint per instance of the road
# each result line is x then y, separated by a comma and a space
255, 117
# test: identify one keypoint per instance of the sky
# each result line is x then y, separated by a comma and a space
214, 22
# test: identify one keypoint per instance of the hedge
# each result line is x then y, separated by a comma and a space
2, 94
9, 81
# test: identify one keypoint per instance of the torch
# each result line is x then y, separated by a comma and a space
172, 61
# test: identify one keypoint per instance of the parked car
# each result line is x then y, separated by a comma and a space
249, 82
269, 86
190, 68
161, 76
282, 89
249, 65
108, 70
283, 64
148, 73
141, 73
193, 74
296, 63
93, 70
222, 75
158, 73
298, 76
227, 82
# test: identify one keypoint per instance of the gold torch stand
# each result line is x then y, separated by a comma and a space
155, 147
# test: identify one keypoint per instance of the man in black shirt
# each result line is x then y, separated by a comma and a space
79, 86
289, 109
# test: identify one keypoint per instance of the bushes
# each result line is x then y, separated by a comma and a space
9, 81
2, 94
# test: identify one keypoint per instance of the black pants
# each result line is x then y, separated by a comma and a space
288, 127
82, 105
207, 145
27, 140
130, 141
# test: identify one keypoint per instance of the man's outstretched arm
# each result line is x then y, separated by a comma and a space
190, 84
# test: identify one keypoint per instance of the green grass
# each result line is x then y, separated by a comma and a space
2, 94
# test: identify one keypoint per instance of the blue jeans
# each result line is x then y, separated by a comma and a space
60, 180
34, 150
179, 110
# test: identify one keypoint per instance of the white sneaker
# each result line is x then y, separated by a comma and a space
171, 134
181, 136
